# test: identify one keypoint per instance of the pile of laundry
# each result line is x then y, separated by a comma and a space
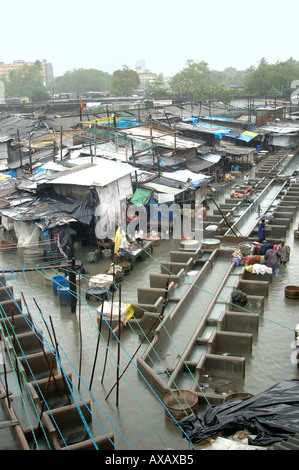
255, 264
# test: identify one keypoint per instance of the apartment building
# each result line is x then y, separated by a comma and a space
47, 68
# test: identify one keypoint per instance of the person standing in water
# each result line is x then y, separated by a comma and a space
283, 250
261, 231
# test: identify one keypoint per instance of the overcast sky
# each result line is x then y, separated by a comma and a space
106, 35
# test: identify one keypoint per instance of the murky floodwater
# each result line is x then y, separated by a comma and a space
139, 420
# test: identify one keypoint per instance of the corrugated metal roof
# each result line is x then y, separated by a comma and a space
100, 174
161, 138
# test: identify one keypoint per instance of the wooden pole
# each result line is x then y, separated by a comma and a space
5, 371
30, 154
118, 347
109, 332
20, 151
58, 355
80, 336
61, 143
97, 348
165, 301
73, 285
14, 346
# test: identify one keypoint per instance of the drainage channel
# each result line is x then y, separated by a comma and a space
186, 333
249, 218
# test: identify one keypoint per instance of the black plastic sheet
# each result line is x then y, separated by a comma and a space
50, 209
270, 416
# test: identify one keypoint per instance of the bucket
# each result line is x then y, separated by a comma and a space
189, 244
296, 233
58, 281
180, 404
291, 292
210, 243
106, 253
64, 295
91, 257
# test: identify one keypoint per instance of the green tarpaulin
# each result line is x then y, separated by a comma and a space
141, 197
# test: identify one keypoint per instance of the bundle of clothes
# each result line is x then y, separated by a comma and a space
239, 297
255, 263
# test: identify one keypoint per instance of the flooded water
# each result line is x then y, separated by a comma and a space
139, 422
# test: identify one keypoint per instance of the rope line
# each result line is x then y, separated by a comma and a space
187, 282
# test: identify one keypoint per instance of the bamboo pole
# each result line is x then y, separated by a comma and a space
5, 371
165, 301
109, 332
80, 336
118, 348
58, 355
97, 348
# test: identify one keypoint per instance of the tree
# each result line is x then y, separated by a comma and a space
157, 88
271, 79
26, 81
124, 82
194, 78
82, 80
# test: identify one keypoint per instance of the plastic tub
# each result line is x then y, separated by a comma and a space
106, 253
64, 295
292, 292
58, 281
91, 257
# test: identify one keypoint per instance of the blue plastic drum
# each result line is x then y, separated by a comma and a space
58, 281
64, 296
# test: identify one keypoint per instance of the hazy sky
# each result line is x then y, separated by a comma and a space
165, 33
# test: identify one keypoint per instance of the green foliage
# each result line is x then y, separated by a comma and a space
157, 88
26, 81
229, 76
82, 80
197, 79
124, 82
194, 78
271, 79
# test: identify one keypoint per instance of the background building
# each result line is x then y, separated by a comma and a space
47, 69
